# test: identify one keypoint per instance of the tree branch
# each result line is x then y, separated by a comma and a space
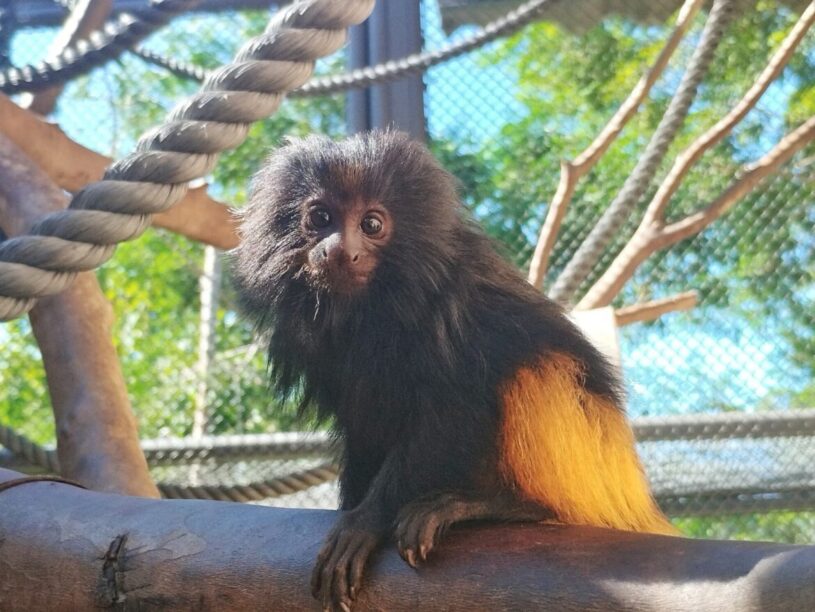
85, 17
97, 437
592, 248
68, 549
72, 166
650, 311
725, 125
572, 172
653, 235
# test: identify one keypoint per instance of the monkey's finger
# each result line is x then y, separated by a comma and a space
339, 580
333, 574
429, 535
358, 563
417, 542
323, 556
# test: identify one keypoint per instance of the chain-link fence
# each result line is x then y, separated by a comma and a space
502, 117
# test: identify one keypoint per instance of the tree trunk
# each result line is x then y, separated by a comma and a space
97, 437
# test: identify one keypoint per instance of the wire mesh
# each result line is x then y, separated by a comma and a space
501, 118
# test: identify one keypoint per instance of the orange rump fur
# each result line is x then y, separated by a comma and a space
573, 451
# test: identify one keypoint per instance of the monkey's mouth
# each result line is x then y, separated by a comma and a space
338, 281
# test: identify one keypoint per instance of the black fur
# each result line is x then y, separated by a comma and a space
411, 368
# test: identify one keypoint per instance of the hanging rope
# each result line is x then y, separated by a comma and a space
184, 148
387, 71
585, 259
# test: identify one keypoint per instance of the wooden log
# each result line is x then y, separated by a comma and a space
64, 548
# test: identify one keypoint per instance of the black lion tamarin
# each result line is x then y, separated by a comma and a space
458, 390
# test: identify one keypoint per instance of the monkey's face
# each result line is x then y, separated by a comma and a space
370, 216
345, 239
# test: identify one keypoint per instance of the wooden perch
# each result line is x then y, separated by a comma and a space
72, 166
97, 438
650, 311
654, 234
64, 548
572, 171
85, 17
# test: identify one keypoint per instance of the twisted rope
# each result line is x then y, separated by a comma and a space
728, 426
386, 71
223, 448
257, 491
102, 46
591, 249
28, 450
184, 148
179, 68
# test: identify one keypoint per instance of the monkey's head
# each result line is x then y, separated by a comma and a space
369, 216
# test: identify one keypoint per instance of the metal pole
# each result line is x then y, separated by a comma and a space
393, 31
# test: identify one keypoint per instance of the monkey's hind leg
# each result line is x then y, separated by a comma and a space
421, 523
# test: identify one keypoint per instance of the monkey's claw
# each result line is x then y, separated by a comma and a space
337, 574
418, 529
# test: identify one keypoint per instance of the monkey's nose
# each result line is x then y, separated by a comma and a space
336, 255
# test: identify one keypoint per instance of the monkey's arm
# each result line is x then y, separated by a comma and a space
337, 574
448, 448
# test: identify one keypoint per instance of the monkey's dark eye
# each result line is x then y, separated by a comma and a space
319, 218
371, 225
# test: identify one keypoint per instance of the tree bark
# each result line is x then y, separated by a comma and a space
63, 548
97, 437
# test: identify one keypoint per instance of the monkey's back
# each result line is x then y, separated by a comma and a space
563, 439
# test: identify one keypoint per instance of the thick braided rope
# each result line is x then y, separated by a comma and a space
791, 424
257, 491
614, 217
299, 445
386, 71
184, 148
102, 46
28, 450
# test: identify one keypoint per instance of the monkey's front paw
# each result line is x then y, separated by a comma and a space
420, 526
337, 575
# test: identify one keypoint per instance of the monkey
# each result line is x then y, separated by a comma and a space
459, 392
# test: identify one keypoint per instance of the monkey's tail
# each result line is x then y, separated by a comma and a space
573, 451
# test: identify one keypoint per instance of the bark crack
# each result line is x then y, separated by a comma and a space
111, 588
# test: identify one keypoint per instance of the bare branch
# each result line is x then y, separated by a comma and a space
572, 172
97, 437
592, 248
650, 311
752, 175
72, 166
85, 17
725, 125
653, 235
